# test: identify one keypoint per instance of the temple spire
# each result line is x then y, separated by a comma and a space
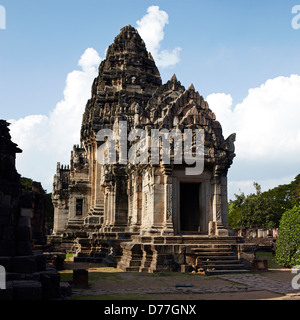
174, 78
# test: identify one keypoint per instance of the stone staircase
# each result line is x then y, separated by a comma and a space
97, 210
218, 259
214, 256
135, 253
74, 224
98, 249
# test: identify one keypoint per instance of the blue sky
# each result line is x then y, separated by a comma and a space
227, 47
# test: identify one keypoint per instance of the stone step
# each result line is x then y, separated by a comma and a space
75, 222
215, 253
221, 262
187, 240
135, 263
218, 272
145, 270
213, 247
99, 212
237, 266
197, 250
147, 264
217, 257
132, 269
97, 208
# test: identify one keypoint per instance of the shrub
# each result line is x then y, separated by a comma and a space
288, 245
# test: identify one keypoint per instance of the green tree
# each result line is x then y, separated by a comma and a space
263, 209
26, 183
288, 245
235, 211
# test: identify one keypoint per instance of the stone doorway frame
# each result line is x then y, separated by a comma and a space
205, 201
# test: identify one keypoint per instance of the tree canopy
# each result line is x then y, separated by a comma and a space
288, 246
263, 209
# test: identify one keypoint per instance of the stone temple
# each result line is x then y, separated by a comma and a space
146, 217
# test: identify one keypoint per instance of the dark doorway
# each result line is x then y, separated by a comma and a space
189, 207
79, 207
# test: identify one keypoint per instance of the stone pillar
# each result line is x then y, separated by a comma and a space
219, 206
168, 228
90, 171
153, 206
224, 200
111, 205
148, 202
94, 172
108, 207
116, 201
136, 203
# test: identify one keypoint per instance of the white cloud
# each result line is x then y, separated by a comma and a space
221, 104
268, 131
266, 122
46, 140
151, 29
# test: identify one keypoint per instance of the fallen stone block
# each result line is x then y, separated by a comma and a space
80, 278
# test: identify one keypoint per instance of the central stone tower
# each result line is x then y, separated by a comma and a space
119, 212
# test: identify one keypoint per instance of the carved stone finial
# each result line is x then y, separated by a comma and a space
174, 78
191, 88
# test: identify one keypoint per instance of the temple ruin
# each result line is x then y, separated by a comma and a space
149, 216
24, 272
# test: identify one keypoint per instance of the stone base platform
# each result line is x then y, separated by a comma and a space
135, 253
176, 253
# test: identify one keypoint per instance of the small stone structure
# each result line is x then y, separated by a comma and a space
27, 276
151, 216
